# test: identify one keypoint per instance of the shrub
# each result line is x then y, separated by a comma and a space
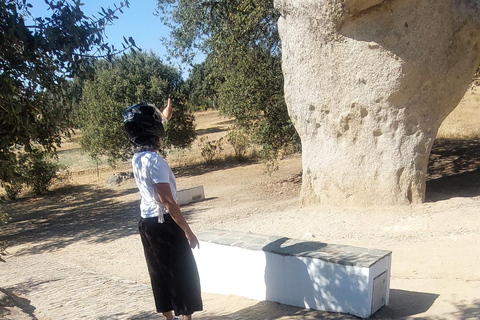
3, 212
210, 149
13, 184
240, 143
38, 171
13, 189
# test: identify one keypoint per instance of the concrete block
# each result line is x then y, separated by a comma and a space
194, 194
305, 274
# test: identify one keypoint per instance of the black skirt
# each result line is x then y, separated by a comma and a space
171, 265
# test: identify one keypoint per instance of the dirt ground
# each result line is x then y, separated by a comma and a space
436, 245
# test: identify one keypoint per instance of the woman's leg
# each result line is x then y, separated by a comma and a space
167, 315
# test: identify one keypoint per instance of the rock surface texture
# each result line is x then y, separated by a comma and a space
367, 84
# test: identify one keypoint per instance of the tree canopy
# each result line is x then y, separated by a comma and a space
242, 45
126, 80
37, 55
201, 86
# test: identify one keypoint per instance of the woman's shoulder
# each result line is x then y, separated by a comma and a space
146, 153
149, 155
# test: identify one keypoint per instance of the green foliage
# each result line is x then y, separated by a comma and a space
201, 86
219, 26
4, 214
35, 169
210, 149
37, 55
240, 143
38, 170
256, 86
99, 119
12, 189
127, 80
180, 131
243, 66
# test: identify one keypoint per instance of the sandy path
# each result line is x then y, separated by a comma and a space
436, 246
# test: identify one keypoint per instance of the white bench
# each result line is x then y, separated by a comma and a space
194, 194
305, 274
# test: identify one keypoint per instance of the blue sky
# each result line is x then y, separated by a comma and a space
137, 22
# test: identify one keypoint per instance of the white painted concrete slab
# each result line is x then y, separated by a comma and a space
309, 274
189, 195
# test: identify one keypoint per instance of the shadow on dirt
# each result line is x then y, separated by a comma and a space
72, 214
219, 127
453, 170
403, 304
277, 311
15, 306
201, 132
217, 165
68, 215
417, 302
467, 311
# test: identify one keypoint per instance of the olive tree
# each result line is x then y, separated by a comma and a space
126, 80
242, 45
37, 56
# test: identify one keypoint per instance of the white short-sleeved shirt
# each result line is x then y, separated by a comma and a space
149, 168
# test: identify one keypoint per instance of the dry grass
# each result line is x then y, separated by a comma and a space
209, 124
464, 122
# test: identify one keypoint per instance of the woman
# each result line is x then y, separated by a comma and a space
166, 236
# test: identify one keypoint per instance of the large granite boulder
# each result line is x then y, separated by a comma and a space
367, 84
